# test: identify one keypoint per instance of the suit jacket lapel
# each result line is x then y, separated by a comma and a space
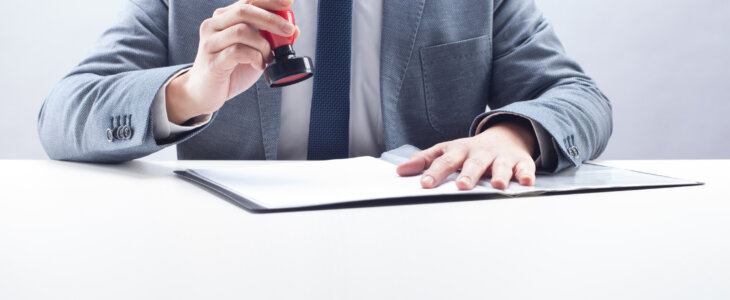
270, 114
400, 25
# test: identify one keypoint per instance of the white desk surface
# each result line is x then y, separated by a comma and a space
136, 231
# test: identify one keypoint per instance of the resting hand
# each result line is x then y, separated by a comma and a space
231, 57
503, 151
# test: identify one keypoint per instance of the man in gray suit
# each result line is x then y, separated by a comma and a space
483, 85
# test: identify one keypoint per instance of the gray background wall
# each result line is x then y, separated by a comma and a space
664, 64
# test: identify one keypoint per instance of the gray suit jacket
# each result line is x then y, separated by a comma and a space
442, 64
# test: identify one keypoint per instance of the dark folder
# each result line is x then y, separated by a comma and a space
369, 181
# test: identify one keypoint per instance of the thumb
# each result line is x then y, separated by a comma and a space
414, 166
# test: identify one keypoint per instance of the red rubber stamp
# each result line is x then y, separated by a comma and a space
287, 68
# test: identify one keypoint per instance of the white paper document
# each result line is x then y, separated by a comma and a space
318, 183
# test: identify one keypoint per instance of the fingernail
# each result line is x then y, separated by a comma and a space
288, 28
500, 185
427, 180
526, 181
465, 180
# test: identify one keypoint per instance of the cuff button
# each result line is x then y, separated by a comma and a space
118, 133
573, 152
109, 135
126, 132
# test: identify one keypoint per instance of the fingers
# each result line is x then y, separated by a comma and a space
231, 34
414, 166
251, 14
420, 161
502, 172
443, 166
273, 5
231, 57
475, 157
525, 172
237, 34
473, 169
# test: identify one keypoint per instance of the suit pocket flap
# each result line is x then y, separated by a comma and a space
456, 79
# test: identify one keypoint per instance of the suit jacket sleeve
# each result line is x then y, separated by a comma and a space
533, 78
112, 88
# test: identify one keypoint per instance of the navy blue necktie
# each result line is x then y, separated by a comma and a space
329, 122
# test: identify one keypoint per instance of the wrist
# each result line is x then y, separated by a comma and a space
178, 101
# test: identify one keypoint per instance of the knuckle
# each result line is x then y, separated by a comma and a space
206, 45
243, 10
488, 152
239, 49
440, 145
462, 143
240, 30
433, 172
457, 147
527, 162
476, 162
448, 162
218, 11
206, 25
502, 162
527, 165
417, 155
264, 46
272, 18
258, 57
247, 54
232, 51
